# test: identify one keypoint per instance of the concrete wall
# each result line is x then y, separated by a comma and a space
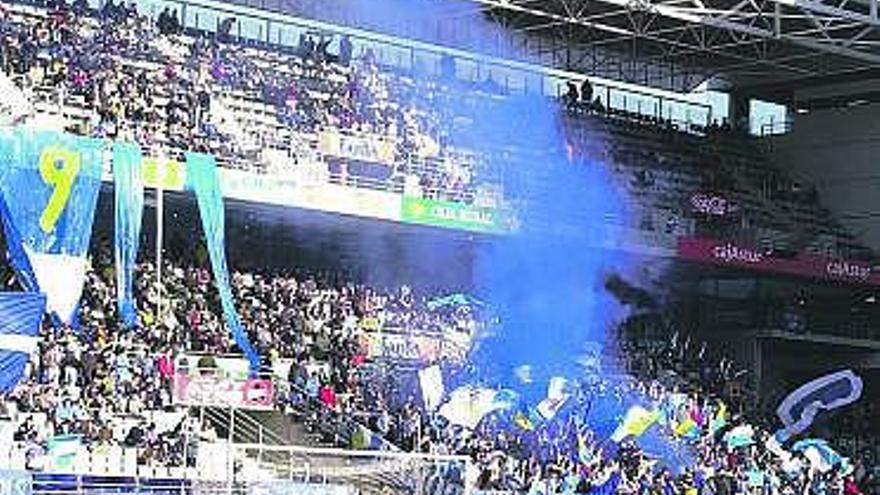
838, 150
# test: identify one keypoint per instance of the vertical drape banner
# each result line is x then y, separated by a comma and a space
50, 183
20, 317
129, 204
204, 180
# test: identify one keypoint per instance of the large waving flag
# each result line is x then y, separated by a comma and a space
798, 410
468, 405
557, 395
719, 419
688, 429
741, 436
50, 183
636, 422
431, 383
20, 316
820, 454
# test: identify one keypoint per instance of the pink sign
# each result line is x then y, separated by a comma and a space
729, 254
210, 390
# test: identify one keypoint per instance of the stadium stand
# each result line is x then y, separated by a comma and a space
118, 74
264, 108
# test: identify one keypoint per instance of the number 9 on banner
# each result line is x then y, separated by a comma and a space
58, 168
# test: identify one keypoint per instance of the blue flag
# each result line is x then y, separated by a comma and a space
798, 410
50, 183
820, 454
24, 272
203, 179
20, 316
129, 194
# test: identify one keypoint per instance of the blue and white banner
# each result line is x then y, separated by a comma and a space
820, 454
468, 405
129, 193
557, 395
50, 183
62, 450
431, 383
799, 409
20, 317
203, 179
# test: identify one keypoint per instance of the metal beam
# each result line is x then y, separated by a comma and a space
817, 27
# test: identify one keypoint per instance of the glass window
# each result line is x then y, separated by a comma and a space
284, 34
426, 63
151, 8
200, 18
532, 82
766, 117
618, 99
466, 69
251, 28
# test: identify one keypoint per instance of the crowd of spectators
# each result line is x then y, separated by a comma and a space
150, 81
174, 89
572, 453
83, 381
144, 79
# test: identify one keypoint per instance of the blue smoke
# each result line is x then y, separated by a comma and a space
546, 282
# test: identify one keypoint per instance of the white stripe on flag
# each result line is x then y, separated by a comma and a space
18, 343
61, 278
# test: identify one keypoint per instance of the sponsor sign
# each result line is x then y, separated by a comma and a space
259, 188
288, 191
730, 254
297, 488
454, 215
713, 204
212, 390
349, 201
165, 173
232, 367
420, 348
362, 148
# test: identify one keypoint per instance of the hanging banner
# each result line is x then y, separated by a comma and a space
50, 183
203, 179
803, 264
371, 149
217, 391
168, 174
421, 348
713, 205
129, 196
453, 215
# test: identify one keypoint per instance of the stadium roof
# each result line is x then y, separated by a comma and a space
743, 42
768, 48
